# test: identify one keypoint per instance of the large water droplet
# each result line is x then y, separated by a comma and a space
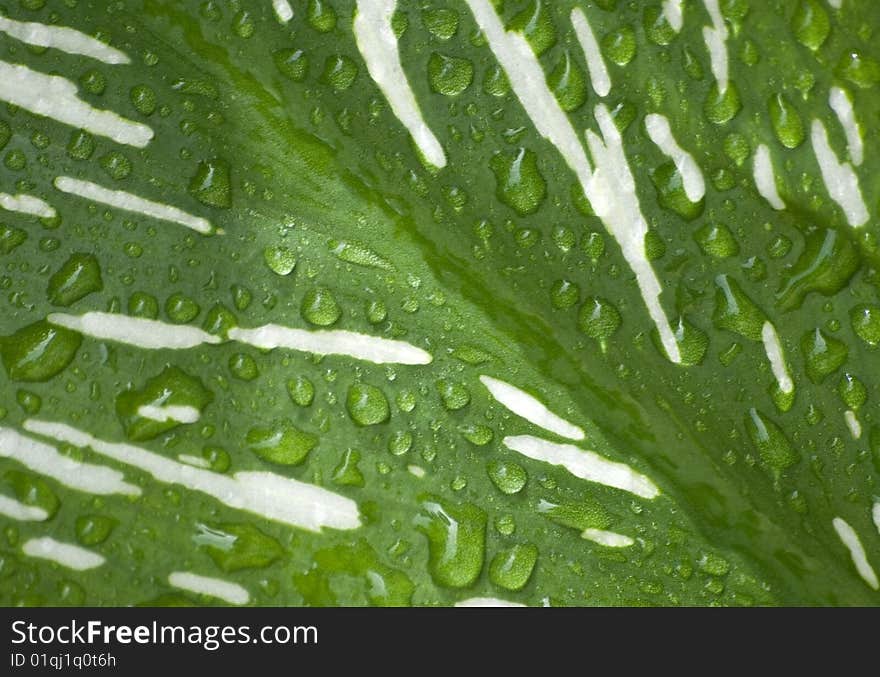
78, 277
281, 443
38, 351
536, 24
823, 354
736, 312
786, 121
234, 547
826, 265
810, 24
456, 541
449, 75
511, 569
367, 405
520, 184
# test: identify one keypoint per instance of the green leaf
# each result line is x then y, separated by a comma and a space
357, 306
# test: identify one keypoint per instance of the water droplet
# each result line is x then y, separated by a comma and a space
773, 446
495, 82
449, 75
234, 547
321, 16
241, 297
598, 318
810, 24
143, 98
722, 108
78, 277
367, 405
301, 391
280, 259
359, 254
779, 247
671, 194
32, 490
94, 82
400, 442
81, 145
511, 569
508, 478
243, 367
536, 25
243, 24
38, 351
564, 294
852, 391
787, 123
219, 320
480, 435
340, 72
826, 265
568, 83
736, 147
454, 395
319, 307
620, 45
717, 240
736, 312
94, 529
692, 65
859, 69
441, 23
692, 342
211, 184
456, 541
656, 26
171, 387
586, 514
347, 473
520, 184
823, 354
865, 320
30, 403
181, 309
141, 304
291, 63
10, 238
282, 443
376, 311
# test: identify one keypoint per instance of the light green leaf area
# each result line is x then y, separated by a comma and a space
330, 371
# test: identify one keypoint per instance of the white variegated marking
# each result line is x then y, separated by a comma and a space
169, 412
487, 602
715, 37
416, 470
334, 342
773, 349
609, 539
65, 554
852, 422
231, 593
612, 193
765, 177
661, 134
875, 514
27, 204
132, 203
266, 494
66, 39
588, 465
835, 3
16, 510
850, 539
45, 460
674, 14
55, 97
530, 408
378, 45
840, 103
840, 178
283, 10
612, 190
599, 77
136, 331
196, 461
